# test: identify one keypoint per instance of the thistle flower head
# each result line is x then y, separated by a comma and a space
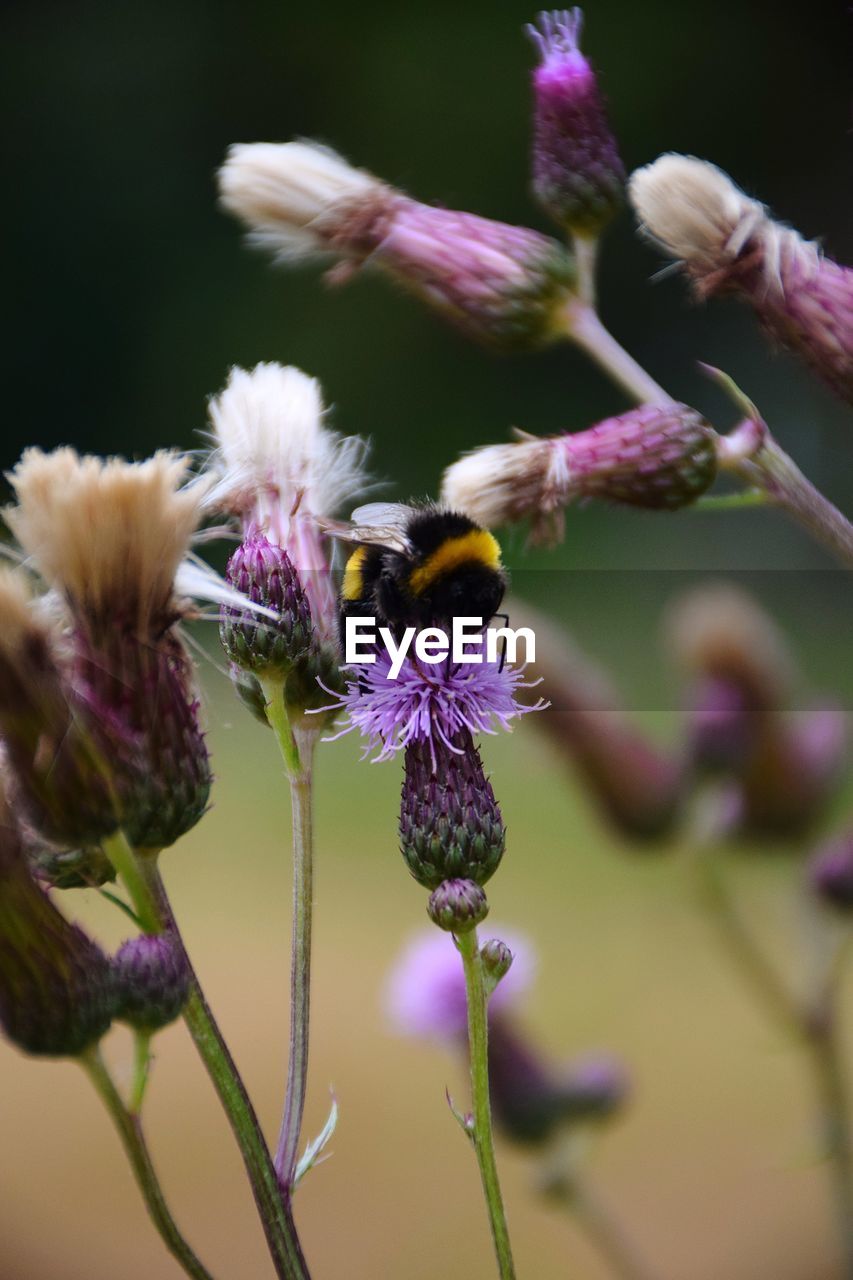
830, 872
263, 573
56, 990
578, 175
730, 244
431, 705
108, 535
425, 992
281, 471
291, 193
450, 823
504, 285
659, 457
152, 981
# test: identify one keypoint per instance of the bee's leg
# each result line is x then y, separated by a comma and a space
504, 617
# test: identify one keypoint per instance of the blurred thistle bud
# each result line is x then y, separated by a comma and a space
53, 757
531, 1099
578, 175
787, 764
248, 689
830, 872
637, 787
660, 457
729, 244
450, 824
497, 960
152, 980
264, 574
457, 906
56, 989
110, 537
503, 285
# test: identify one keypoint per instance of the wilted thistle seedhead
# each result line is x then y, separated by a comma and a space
578, 175
110, 536
503, 285
457, 906
787, 764
659, 457
56, 990
831, 873
152, 980
450, 824
730, 245
264, 573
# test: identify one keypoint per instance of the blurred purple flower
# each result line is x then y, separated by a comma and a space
429, 703
425, 994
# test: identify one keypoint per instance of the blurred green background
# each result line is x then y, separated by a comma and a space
129, 297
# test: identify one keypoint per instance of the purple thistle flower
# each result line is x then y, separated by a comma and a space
425, 994
831, 872
578, 175
434, 704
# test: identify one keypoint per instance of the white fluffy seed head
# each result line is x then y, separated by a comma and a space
283, 190
20, 622
107, 534
694, 210
274, 455
503, 483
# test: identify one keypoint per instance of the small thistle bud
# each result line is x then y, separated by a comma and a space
660, 457
152, 980
450, 824
56, 990
831, 873
503, 285
594, 1087
457, 906
248, 689
578, 175
729, 244
264, 574
497, 961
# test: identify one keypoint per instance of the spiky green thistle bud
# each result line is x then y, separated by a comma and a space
497, 961
450, 824
152, 979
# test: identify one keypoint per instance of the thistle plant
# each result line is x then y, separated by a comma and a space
104, 759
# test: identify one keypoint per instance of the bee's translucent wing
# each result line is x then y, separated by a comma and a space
380, 524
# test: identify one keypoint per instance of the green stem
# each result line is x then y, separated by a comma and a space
129, 869
834, 1117
750, 453
300, 967
816, 1027
481, 1132
141, 1069
583, 326
130, 1131
273, 1211
600, 1225
731, 501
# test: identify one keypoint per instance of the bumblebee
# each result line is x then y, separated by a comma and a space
419, 566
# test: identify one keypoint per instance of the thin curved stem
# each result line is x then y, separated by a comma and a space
274, 1211
142, 880
481, 1128
600, 1225
130, 1131
834, 1117
584, 327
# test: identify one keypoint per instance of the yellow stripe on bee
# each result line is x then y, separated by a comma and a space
477, 545
352, 586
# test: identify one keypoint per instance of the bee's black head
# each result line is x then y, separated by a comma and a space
473, 590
